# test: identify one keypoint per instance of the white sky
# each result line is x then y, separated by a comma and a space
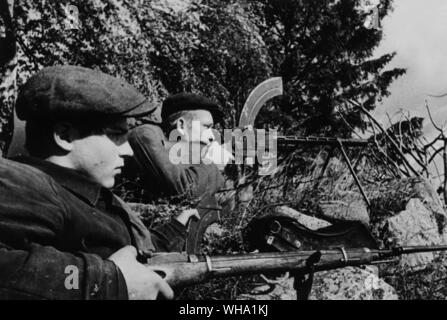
417, 31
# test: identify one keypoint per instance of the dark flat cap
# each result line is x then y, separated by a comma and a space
190, 101
73, 92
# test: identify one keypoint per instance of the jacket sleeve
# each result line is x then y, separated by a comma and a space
42, 272
169, 237
152, 158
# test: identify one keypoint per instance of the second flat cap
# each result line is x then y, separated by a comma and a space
190, 101
73, 92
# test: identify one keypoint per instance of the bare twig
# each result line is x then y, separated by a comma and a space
435, 154
431, 118
393, 143
429, 145
379, 148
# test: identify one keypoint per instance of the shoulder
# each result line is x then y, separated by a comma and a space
147, 135
20, 178
15, 170
147, 130
28, 193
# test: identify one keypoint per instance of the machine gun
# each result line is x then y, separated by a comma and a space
181, 270
270, 89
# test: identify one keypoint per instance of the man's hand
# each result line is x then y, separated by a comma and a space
217, 154
142, 283
184, 217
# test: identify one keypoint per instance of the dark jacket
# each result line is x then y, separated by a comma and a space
53, 218
163, 177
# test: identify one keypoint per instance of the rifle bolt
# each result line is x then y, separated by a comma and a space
297, 244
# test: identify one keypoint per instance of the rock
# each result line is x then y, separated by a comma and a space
342, 284
415, 226
308, 221
409, 212
429, 197
351, 284
394, 195
345, 211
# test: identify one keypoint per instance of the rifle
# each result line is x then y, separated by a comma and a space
181, 270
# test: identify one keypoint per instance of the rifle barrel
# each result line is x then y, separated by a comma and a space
419, 249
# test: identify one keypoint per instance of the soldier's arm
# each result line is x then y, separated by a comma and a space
156, 168
169, 237
42, 272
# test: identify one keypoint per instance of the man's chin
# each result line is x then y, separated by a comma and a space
108, 184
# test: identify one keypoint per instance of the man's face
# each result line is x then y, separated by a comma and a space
199, 127
100, 156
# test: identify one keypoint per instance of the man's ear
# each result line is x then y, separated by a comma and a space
64, 134
181, 125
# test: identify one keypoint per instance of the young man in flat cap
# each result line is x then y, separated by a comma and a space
162, 175
63, 233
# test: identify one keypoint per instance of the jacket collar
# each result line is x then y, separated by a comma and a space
68, 178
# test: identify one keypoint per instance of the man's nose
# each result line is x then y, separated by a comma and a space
125, 150
208, 135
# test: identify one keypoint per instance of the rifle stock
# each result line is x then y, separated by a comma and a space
181, 270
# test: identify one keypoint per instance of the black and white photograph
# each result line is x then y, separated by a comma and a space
224, 155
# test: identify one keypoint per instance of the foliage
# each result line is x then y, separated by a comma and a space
213, 48
106, 38
222, 49
324, 52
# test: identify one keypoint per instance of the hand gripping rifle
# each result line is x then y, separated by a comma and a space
181, 270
